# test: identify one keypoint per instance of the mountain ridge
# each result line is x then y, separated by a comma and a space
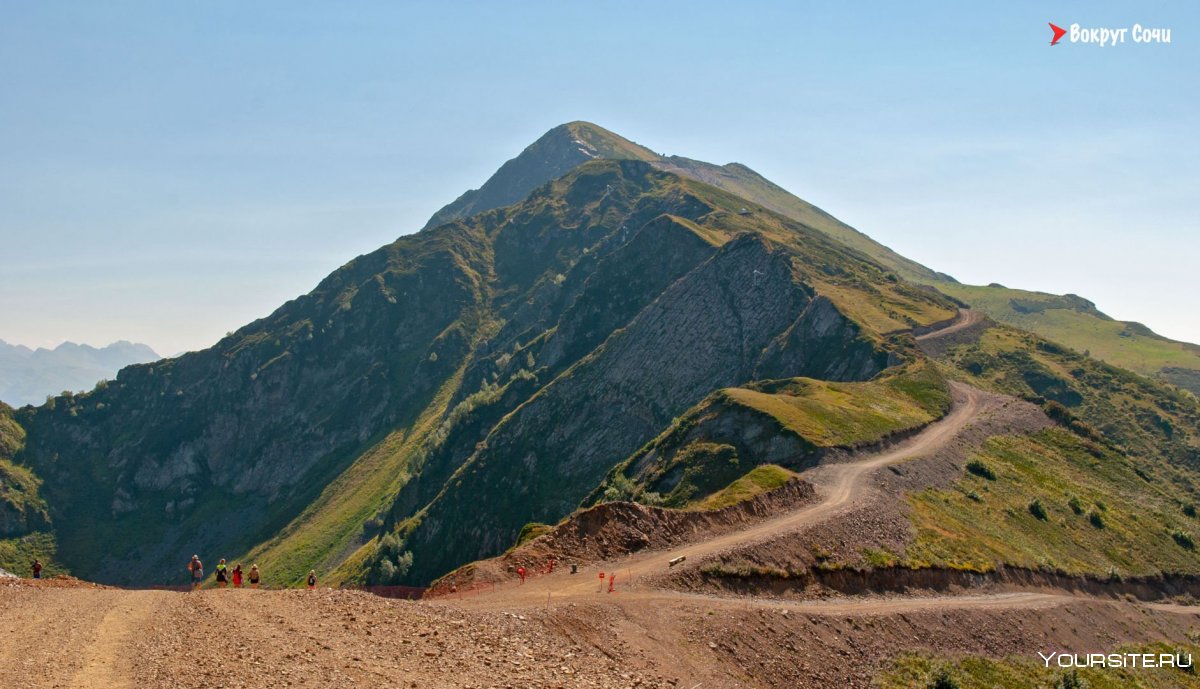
1069, 319
428, 399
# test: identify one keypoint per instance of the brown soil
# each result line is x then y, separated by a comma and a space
84, 637
612, 530
964, 329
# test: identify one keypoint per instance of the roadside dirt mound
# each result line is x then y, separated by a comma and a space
611, 530
814, 583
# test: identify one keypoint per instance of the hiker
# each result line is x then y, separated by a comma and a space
237, 576
37, 568
253, 576
521, 573
197, 569
312, 579
222, 574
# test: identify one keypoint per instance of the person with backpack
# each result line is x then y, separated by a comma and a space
237, 576
253, 576
222, 574
312, 579
196, 568
37, 568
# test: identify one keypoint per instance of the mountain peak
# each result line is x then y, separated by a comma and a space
553, 155
571, 144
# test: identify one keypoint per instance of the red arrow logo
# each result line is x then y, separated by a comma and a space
1059, 32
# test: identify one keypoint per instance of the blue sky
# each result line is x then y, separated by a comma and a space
171, 171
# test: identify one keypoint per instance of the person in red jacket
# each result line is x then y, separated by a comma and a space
237, 576
521, 573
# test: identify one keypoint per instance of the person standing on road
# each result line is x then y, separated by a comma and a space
521, 573
197, 570
37, 568
253, 576
312, 579
222, 574
237, 576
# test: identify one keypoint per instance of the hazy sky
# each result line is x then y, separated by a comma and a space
171, 171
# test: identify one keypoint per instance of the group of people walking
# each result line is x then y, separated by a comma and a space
224, 574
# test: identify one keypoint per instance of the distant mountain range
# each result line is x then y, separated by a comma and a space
28, 376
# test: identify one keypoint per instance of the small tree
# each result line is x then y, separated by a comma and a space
1036, 509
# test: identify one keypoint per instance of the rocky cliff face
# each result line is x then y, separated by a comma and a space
723, 323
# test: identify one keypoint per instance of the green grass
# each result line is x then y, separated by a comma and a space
761, 479
1144, 417
332, 527
531, 531
1071, 323
921, 670
1057, 502
17, 554
829, 414
698, 457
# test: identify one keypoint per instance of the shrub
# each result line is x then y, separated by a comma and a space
1096, 519
620, 489
1183, 661
1070, 680
1190, 510
943, 679
977, 467
1036, 509
1075, 504
651, 499
1183, 538
531, 531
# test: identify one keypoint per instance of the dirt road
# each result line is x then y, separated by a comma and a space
966, 318
838, 487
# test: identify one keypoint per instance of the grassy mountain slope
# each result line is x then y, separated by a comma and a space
1115, 487
25, 528
791, 423
1075, 322
1111, 490
1021, 671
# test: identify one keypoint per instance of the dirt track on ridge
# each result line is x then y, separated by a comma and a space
839, 485
966, 318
